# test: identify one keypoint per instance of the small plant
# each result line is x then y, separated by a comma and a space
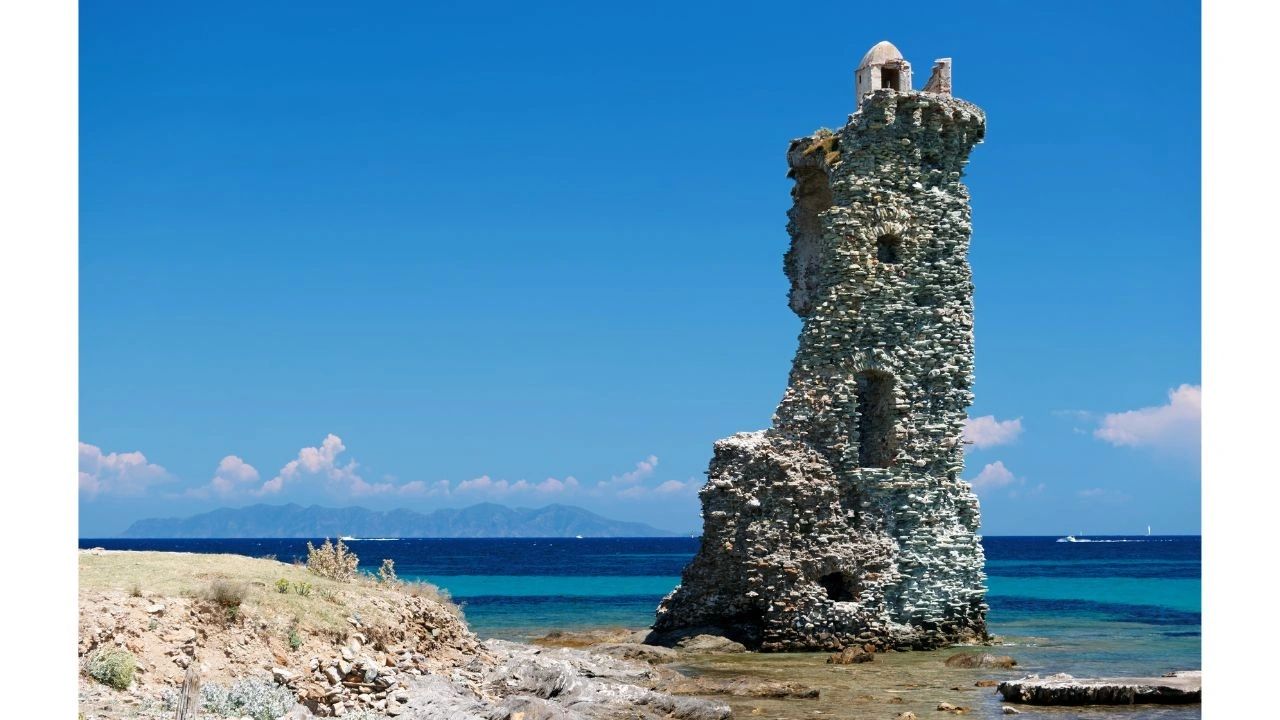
387, 573
254, 697
295, 635
135, 589
233, 613
302, 588
328, 595
336, 562
282, 586
113, 667
226, 594
153, 624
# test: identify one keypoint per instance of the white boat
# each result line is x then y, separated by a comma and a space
1148, 531
579, 537
1069, 538
347, 538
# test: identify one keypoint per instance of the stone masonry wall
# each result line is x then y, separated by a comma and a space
847, 522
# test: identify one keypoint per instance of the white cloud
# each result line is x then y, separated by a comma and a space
673, 486
485, 485
117, 473
1172, 426
987, 431
642, 470
323, 462
993, 475
232, 475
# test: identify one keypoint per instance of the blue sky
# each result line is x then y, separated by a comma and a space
534, 254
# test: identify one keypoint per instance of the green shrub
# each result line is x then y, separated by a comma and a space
113, 667
135, 589
295, 638
332, 561
387, 573
282, 586
302, 588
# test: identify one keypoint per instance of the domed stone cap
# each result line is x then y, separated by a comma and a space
883, 52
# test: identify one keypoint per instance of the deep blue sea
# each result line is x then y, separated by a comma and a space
1103, 606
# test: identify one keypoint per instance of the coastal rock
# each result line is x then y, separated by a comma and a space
850, 656
1062, 689
589, 638
847, 521
710, 644
637, 651
589, 686
980, 660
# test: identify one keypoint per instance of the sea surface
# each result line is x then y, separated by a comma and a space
1101, 606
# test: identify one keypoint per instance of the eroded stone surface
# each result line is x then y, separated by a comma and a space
1062, 689
846, 522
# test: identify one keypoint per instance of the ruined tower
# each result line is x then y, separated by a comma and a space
847, 522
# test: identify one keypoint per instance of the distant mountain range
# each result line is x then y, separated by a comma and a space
483, 520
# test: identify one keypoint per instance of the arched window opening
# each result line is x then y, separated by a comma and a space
888, 249
840, 587
877, 432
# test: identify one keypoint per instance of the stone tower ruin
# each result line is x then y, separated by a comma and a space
847, 522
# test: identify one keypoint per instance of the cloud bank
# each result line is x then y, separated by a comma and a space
327, 467
117, 473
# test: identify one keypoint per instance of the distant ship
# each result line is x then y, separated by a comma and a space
1069, 538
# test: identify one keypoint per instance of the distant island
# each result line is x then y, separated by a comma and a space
485, 520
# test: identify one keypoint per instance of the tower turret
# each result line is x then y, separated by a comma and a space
883, 67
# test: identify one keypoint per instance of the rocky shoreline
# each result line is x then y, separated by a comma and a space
299, 646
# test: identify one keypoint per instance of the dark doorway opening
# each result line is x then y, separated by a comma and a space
889, 78
888, 249
839, 586
877, 441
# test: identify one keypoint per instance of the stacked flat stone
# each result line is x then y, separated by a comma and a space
847, 522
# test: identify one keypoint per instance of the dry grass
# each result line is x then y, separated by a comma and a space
194, 575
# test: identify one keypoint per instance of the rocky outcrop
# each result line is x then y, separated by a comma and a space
1062, 689
583, 686
353, 648
847, 523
